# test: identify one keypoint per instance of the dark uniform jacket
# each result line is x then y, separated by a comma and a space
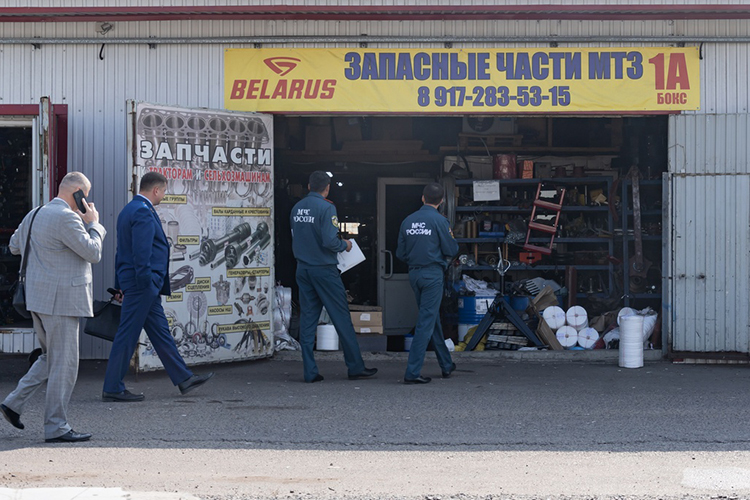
425, 239
315, 229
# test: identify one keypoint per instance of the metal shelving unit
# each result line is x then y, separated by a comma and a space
608, 243
516, 210
541, 267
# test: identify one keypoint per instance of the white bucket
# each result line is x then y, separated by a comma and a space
328, 339
463, 329
631, 341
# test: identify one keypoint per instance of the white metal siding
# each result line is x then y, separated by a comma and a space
710, 233
95, 91
18, 341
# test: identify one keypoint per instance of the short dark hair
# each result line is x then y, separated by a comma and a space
150, 180
319, 181
433, 193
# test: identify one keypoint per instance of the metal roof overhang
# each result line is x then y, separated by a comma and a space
376, 13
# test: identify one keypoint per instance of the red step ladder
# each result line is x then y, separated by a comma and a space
547, 208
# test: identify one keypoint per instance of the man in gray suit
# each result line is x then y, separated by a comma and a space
64, 244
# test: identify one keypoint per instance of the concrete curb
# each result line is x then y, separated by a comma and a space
607, 356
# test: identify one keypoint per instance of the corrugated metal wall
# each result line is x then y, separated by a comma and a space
95, 91
190, 75
709, 164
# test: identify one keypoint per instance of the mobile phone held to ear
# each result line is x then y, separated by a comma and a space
79, 196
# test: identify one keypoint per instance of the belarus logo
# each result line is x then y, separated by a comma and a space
281, 65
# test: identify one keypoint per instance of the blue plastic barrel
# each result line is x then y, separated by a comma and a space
519, 302
472, 308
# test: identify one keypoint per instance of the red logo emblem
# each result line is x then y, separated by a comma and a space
281, 65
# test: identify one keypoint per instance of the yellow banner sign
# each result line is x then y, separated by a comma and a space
199, 285
248, 272
174, 199
240, 212
244, 327
188, 240
219, 310
548, 80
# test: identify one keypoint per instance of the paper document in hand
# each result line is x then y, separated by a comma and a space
348, 260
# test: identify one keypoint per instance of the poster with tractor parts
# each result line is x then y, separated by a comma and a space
218, 219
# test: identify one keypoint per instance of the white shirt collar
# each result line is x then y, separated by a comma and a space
151, 205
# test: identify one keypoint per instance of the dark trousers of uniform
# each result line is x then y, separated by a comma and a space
142, 310
321, 286
427, 283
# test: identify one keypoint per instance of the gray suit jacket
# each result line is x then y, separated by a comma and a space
58, 275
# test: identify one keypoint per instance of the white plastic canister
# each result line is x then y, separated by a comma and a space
328, 339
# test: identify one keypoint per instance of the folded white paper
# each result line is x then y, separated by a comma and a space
486, 190
348, 260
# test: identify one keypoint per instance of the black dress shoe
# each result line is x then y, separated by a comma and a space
70, 437
367, 372
318, 378
12, 417
450, 370
418, 380
193, 382
122, 397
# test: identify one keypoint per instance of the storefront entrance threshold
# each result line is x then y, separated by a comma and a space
590, 356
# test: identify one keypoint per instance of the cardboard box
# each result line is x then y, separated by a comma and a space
526, 170
362, 318
318, 138
367, 319
368, 329
543, 170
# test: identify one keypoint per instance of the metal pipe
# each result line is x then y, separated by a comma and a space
356, 40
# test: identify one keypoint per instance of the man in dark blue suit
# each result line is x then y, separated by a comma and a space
142, 272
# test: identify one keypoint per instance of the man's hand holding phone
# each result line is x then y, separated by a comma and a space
86, 210
91, 214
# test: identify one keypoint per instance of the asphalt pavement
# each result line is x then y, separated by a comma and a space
509, 427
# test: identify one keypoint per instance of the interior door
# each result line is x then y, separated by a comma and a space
397, 198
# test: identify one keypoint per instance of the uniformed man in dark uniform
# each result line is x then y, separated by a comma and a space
426, 244
316, 243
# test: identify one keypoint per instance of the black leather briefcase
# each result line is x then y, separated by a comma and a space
105, 321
